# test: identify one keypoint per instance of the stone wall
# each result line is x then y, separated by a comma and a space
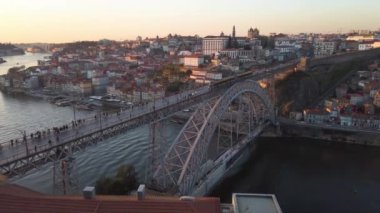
369, 139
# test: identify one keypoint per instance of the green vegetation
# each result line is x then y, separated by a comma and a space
189, 72
123, 183
170, 71
15, 69
337, 72
174, 86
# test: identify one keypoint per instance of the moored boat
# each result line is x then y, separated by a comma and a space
64, 102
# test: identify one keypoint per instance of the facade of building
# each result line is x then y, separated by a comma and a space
204, 77
237, 53
324, 48
284, 41
86, 87
365, 45
316, 116
376, 99
213, 44
99, 84
345, 120
360, 38
357, 99
253, 33
193, 60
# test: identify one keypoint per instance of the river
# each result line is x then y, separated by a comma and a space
306, 175
310, 175
29, 59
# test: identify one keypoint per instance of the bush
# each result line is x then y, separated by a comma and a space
123, 183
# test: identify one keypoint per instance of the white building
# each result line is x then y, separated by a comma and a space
286, 49
193, 60
324, 48
357, 99
360, 38
237, 53
204, 77
213, 44
365, 46
284, 41
345, 120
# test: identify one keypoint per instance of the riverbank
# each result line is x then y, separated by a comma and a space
367, 138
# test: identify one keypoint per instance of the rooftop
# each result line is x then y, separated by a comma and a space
14, 198
256, 203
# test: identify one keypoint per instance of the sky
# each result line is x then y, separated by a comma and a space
57, 21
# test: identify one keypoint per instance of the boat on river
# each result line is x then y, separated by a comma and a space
82, 106
63, 102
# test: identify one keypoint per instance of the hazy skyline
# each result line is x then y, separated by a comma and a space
73, 20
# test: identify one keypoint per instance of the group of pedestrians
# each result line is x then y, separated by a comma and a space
57, 131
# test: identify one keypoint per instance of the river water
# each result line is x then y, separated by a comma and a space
306, 175
29, 59
310, 175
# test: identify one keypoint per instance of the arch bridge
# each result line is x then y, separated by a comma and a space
215, 134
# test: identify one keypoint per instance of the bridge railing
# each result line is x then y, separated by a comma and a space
133, 111
17, 151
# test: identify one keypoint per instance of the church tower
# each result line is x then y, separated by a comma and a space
233, 32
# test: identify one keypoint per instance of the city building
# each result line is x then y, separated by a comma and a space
316, 116
238, 53
367, 45
345, 120
324, 48
205, 77
360, 38
193, 60
213, 44
376, 99
357, 99
253, 33
349, 46
86, 87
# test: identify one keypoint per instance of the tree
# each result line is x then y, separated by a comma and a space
123, 183
189, 72
174, 86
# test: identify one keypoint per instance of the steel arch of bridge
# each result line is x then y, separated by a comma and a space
179, 169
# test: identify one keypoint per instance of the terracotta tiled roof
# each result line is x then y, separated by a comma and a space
12, 189
14, 199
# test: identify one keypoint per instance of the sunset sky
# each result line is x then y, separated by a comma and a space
73, 20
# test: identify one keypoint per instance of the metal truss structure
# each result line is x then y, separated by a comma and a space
244, 109
65, 177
